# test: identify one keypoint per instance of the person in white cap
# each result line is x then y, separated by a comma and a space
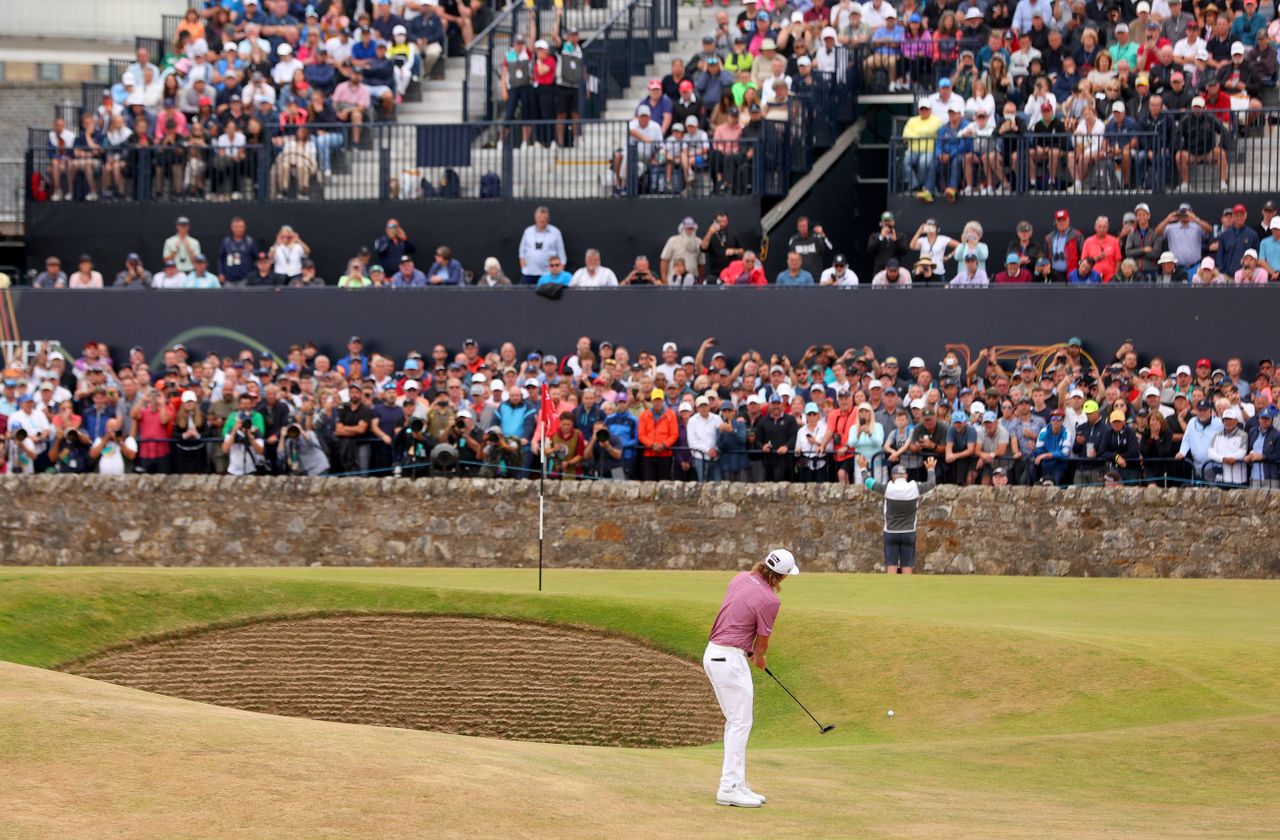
1229, 448
742, 629
824, 57
1250, 273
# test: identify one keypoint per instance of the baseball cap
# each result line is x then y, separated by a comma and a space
1237, 48
1150, 391
657, 394
1122, 27
989, 417
916, 361
809, 407
1274, 224
1116, 415
1074, 341
1204, 363
1090, 406
541, 44
782, 562
1117, 107
1183, 370
755, 399
1239, 208
670, 345
1197, 102
1208, 263
925, 104
959, 417
1204, 405
1269, 413
643, 111
1168, 257
1250, 252
1061, 215
189, 396
1056, 414
972, 13
1012, 258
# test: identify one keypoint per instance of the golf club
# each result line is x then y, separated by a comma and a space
822, 730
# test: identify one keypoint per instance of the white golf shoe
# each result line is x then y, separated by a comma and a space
737, 797
749, 792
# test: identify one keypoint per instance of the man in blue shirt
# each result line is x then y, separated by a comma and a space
1199, 434
1234, 240
794, 275
555, 273
1084, 272
1246, 26
235, 255
408, 277
445, 271
954, 150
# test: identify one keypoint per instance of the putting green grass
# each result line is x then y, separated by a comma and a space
1024, 708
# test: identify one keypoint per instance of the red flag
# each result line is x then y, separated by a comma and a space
547, 420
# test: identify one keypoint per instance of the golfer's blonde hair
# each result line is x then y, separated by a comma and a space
770, 576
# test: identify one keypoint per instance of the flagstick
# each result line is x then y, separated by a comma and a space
542, 476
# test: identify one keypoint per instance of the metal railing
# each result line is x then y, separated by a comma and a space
623, 47
589, 159
1180, 157
621, 44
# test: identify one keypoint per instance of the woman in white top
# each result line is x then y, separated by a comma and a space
1102, 71
287, 253
1088, 146
936, 246
981, 99
985, 148
811, 463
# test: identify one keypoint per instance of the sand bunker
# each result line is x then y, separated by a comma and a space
471, 676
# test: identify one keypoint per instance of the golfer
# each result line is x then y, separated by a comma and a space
901, 504
742, 628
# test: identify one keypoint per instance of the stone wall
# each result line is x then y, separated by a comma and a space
212, 520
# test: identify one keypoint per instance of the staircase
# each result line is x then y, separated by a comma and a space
582, 171
694, 22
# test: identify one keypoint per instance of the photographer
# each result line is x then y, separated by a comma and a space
300, 451
275, 416
69, 451
566, 450
242, 436
606, 453
466, 437
113, 452
498, 454
412, 445
19, 453
641, 275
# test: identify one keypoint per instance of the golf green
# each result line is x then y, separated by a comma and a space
1024, 707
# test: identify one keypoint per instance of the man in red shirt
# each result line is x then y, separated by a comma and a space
742, 629
1103, 249
1013, 271
744, 272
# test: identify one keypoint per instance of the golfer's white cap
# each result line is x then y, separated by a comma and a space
782, 561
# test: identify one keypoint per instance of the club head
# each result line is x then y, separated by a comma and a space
824, 730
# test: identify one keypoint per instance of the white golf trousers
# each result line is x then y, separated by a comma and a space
730, 675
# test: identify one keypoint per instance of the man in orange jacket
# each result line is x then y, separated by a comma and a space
659, 431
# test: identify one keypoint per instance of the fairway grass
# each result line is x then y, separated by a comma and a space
1024, 708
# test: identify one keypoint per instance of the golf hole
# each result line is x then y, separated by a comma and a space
469, 676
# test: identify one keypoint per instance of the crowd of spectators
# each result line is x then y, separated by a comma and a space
1066, 96
1181, 247
1060, 418
708, 116
284, 77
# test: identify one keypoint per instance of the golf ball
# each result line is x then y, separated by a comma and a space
891, 713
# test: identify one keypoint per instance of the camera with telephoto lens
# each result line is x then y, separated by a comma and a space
20, 435
415, 425
602, 435
492, 437
293, 431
